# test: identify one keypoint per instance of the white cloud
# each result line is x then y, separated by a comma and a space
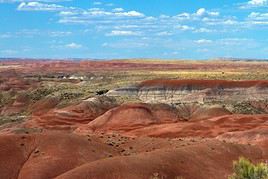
127, 23
97, 12
129, 14
73, 45
98, 3
229, 22
204, 12
37, 6
220, 21
100, 17
182, 16
253, 15
259, 22
67, 13
253, 4
184, 27
201, 12
119, 22
258, 16
203, 30
203, 41
164, 33
258, 2
214, 13
122, 33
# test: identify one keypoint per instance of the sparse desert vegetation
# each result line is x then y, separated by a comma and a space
162, 119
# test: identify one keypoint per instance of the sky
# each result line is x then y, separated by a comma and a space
117, 29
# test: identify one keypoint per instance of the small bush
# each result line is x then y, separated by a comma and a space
244, 169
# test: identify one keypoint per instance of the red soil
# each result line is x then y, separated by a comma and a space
98, 155
19, 105
258, 135
44, 105
63, 155
14, 82
131, 117
47, 155
206, 113
210, 160
204, 128
194, 112
70, 116
143, 120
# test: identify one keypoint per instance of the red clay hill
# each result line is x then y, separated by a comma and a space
50, 154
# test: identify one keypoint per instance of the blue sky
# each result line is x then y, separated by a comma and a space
168, 29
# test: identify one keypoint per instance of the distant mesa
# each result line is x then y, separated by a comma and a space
195, 91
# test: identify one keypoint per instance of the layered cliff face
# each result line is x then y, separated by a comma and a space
195, 91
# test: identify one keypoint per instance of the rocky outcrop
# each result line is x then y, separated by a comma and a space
195, 91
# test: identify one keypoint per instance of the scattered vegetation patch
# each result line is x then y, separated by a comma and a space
127, 99
245, 108
10, 119
244, 169
39, 93
5, 98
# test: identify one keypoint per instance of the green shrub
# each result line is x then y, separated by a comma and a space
40, 93
244, 169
